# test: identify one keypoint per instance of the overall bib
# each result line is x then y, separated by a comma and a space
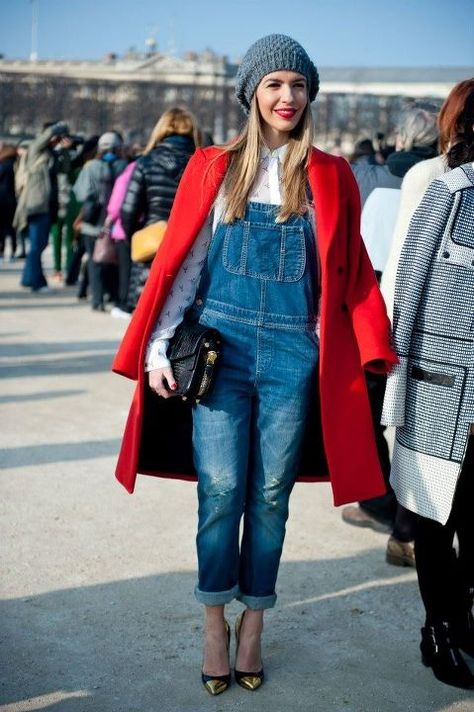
259, 288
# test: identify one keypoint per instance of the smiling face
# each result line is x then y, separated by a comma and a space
281, 98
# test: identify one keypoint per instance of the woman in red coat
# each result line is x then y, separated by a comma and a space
263, 244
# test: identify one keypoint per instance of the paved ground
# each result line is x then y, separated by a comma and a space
97, 605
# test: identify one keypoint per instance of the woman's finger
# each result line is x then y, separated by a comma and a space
161, 381
169, 378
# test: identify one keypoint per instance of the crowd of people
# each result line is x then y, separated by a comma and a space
76, 192
263, 244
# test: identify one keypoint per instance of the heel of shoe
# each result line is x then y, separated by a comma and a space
217, 684
248, 680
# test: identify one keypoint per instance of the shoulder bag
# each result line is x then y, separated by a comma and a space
145, 242
105, 251
193, 352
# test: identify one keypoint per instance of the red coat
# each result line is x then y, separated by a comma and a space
355, 331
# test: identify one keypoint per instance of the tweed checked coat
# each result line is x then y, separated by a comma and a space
430, 393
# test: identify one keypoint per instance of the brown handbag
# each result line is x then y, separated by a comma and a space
105, 251
145, 242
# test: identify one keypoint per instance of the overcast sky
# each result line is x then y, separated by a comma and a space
334, 32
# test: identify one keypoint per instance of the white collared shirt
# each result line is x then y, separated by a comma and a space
266, 189
267, 185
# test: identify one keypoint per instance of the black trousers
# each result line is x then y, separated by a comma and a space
386, 507
7, 231
124, 268
103, 279
74, 267
445, 577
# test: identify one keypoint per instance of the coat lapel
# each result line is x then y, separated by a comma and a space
191, 209
323, 179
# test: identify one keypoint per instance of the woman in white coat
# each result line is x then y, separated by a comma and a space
430, 398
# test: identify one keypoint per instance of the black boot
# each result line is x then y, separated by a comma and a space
440, 653
463, 627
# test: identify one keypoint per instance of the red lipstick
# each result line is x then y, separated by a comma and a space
286, 113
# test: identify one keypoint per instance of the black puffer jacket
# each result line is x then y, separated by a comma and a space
154, 182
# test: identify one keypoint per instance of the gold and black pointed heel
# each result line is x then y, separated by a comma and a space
248, 680
217, 684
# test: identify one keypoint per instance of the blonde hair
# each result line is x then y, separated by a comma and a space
174, 121
244, 163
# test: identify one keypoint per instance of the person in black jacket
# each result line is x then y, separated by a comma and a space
154, 181
8, 156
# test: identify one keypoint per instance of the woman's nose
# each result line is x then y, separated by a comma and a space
287, 93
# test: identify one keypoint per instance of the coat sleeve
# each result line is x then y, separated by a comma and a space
423, 238
414, 186
39, 145
85, 186
363, 298
118, 193
134, 204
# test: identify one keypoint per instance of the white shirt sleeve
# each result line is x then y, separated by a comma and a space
178, 300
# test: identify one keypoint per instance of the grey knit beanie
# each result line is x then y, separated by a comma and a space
271, 54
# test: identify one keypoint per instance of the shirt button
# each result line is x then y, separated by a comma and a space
446, 254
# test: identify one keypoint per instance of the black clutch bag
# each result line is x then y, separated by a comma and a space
193, 352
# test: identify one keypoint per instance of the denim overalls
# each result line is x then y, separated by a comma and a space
259, 288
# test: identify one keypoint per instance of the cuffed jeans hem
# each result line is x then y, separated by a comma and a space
216, 598
257, 603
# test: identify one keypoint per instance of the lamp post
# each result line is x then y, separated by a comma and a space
34, 30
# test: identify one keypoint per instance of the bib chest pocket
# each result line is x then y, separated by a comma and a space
274, 252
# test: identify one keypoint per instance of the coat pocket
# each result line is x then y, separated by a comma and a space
432, 409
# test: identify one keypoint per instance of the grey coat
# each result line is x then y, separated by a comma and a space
40, 192
93, 183
430, 394
369, 177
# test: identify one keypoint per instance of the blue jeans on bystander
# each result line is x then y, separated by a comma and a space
38, 233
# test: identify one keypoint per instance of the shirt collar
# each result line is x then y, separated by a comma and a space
279, 153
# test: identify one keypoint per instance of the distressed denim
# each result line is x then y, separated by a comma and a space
259, 288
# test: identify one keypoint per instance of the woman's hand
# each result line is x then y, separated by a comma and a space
161, 381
